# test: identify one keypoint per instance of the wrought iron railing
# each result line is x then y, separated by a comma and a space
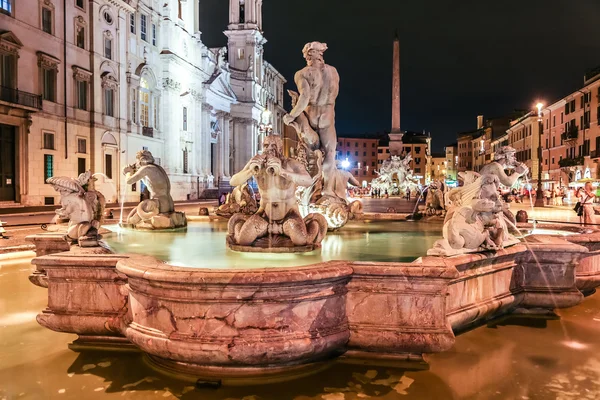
570, 134
16, 96
570, 162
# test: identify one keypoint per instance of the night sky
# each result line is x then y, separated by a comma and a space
457, 60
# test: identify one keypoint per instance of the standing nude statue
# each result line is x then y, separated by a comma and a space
318, 86
277, 177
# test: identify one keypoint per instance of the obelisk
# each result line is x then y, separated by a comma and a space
396, 134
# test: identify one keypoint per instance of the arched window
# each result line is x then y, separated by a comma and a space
242, 12
144, 102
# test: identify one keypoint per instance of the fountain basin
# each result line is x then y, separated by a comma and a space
236, 324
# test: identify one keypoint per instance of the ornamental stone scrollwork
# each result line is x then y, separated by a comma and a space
196, 95
169, 83
81, 74
48, 3
108, 34
207, 107
47, 61
109, 81
9, 43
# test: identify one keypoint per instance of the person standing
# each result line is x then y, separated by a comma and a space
586, 197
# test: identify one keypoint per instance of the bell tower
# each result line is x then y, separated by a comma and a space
245, 14
245, 56
246, 40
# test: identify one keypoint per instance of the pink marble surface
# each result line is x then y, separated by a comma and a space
210, 321
230, 318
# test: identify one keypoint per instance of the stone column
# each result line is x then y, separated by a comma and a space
171, 132
226, 145
205, 165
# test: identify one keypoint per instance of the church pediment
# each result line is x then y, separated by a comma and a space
218, 84
9, 42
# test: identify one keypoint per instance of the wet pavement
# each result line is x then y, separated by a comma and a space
514, 358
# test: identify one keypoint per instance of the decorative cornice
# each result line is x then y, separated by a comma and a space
47, 61
127, 5
109, 82
81, 74
172, 84
47, 3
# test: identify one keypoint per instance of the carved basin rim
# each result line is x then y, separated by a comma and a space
150, 268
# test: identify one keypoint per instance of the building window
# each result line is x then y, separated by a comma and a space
49, 84
155, 111
47, 20
108, 48
7, 70
144, 107
133, 106
48, 140
242, 12
80, 38
417, 150
108, 18
356, 153
79, 3
108, 165
80, 165
143, 27
185, 161
132, 23
241, 54
82, 87
153, 34
109, 102
6, 6
81, 146
179, 10
48, 166
185, 118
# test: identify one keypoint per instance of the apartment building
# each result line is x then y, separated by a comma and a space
571, 135
362, 155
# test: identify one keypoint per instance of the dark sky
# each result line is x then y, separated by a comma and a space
458, 58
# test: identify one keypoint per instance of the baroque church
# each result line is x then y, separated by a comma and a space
89, 89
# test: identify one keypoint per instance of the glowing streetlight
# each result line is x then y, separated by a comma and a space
539, 107
345, 164
539, 195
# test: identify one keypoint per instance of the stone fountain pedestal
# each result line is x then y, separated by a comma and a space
244, 326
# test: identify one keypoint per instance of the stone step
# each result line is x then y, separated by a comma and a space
10, 204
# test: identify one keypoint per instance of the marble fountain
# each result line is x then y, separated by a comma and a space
276, 294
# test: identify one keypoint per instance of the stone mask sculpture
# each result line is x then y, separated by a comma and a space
82, 207
277, 226
158, 212
313, 118
477, 218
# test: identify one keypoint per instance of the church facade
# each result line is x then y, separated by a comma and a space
113, 77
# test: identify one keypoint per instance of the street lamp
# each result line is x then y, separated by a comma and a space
539, 195
345, 164
266, 126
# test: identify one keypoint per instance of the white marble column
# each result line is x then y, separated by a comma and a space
205, 164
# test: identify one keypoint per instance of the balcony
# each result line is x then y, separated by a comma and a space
595, 154
147, 131
20, 98
570, 162
571, 134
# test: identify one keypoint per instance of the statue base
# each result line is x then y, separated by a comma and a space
273, 244
164, 221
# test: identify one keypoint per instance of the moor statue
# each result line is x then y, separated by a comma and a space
278, 220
